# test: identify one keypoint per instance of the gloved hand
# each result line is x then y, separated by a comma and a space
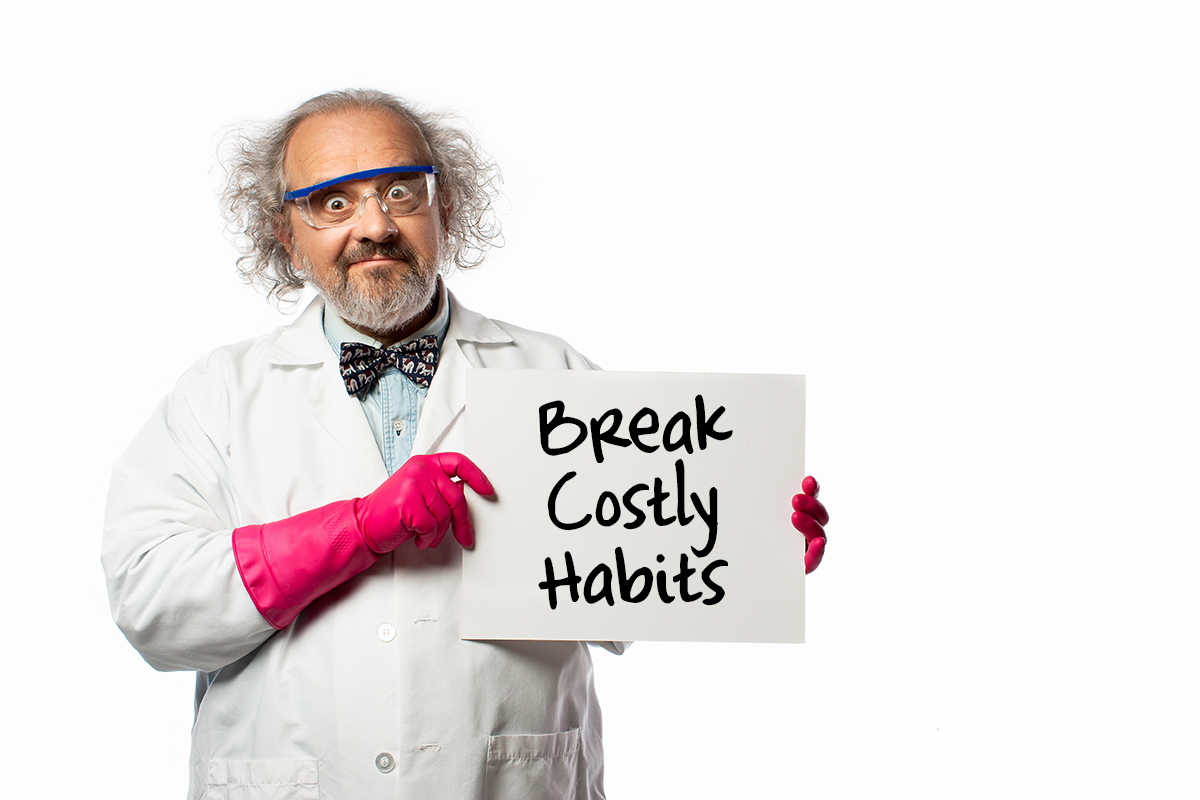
421, 500
287, 564
810, 518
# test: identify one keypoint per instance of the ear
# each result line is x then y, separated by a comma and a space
283, 233
447, 209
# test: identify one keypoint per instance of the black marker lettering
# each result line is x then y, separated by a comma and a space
545, 426
627, 499
709, 516
662, 584
616, 509
566, 526
718, 592
625, 582
704, 425
636, 430
605, 594
608, 434
682, 579
681, 494
551, 585
681, 420
656, 502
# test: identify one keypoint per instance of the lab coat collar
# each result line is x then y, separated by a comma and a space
469, 326
303, 343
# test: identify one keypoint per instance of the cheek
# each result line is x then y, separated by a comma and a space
437, 233
317, 249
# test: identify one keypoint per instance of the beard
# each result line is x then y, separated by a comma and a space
379, 300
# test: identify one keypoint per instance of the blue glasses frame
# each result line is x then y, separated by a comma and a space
357, 176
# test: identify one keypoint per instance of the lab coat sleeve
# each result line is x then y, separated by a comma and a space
173, 584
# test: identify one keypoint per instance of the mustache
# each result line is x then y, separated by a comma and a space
393, 250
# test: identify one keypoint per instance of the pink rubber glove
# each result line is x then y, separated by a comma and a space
421, 500
287, 564
810, 518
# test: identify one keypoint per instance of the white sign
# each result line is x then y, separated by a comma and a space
635, 506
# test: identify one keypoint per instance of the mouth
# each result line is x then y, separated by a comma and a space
376, 261
378, 258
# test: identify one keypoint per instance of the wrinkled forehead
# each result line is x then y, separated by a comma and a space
326, 146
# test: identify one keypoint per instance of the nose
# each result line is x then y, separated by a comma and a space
373, 223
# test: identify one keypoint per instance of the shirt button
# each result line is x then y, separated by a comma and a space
398, 426
384, 762
386, 632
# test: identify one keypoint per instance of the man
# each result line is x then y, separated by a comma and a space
277, 526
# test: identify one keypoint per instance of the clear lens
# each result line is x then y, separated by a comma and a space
399, 194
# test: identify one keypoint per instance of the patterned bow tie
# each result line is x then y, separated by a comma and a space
361, 364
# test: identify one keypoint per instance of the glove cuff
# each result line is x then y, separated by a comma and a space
287, 564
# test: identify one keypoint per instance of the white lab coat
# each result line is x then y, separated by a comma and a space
370, 693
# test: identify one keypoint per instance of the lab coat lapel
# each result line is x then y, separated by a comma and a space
303, 344
447, 396
448, 392
342, 415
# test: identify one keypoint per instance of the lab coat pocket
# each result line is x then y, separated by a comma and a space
279, 779
533, 767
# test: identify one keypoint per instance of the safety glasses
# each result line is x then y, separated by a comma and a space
400, 191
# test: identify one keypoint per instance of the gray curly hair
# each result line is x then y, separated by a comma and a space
252, 200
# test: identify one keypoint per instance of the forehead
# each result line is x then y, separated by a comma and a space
327, 146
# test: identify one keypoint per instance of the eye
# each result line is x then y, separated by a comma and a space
398, 192
335, 204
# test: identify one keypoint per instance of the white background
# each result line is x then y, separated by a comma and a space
972, 225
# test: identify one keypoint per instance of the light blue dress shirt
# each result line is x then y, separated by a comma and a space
393, 406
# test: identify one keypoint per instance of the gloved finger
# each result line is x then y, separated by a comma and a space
810, 505
810, 486
456, 465
460, 516
814, 554
432, 539
416, 518
807, 525
439, 509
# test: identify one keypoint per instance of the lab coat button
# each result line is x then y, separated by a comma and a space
384, 762
387, 632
